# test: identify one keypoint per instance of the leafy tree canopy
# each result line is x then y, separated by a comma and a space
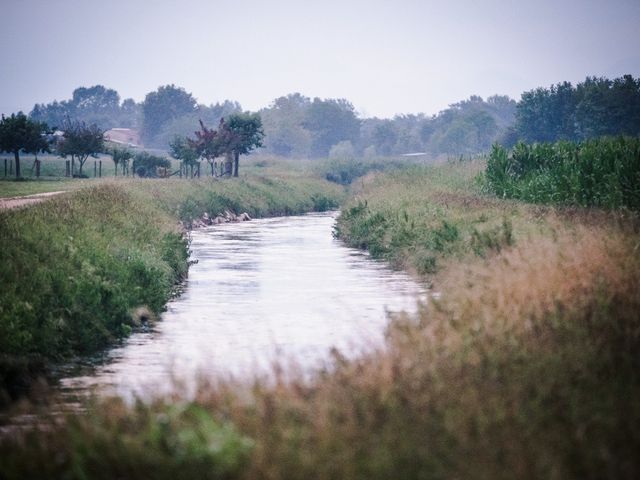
165, 104
18, 134
80, 141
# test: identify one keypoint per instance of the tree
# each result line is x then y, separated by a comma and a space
242, 133
120, 156
80, 141
208, 143
181, 148
593, 108
19, 133
283, 121
96, 104
165, 104
331, 121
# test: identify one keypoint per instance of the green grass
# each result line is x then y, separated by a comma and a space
417, 217
12, 188
76, 267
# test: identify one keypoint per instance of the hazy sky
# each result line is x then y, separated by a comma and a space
386, 57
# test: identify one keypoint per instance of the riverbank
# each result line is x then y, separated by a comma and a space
77, 269
525, 367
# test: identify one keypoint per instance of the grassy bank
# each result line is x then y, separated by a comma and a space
525, 367
417, 217
78, 270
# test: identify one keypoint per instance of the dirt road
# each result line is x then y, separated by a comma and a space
16, 202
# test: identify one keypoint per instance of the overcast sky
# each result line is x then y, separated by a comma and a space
386, 57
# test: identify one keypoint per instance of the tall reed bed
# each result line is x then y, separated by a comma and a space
603, 172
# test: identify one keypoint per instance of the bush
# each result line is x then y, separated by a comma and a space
146, 165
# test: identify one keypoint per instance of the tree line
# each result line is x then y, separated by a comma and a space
238, 135
593, 108
298, 126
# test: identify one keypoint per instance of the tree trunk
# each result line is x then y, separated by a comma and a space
116, 169
228, 163
16, 155
236, 160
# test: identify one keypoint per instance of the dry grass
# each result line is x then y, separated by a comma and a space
526, 367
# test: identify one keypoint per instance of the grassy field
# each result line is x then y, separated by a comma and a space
526, 366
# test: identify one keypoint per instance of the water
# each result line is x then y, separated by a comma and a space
260, 290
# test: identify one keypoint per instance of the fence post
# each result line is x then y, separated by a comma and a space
100, 170
198, 170
95, 169
37, 168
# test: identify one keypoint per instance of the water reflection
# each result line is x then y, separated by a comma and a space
261, 289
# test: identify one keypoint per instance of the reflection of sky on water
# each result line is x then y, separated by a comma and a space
275, 287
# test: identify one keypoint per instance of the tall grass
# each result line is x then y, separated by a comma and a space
526, 367
419, 216
604, 172
76, 269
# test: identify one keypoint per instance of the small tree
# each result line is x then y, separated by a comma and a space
80, 142
208, 143
244, 134
120, 156
184, 150
19, 133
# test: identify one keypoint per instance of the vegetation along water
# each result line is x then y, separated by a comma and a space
522, 363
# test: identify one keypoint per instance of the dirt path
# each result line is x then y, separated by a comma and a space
16, 202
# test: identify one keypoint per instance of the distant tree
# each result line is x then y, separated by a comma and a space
208, 144
97, 104
80, 141
595, 107
246, 134
385, 137
19, 133
185, 125
181, 148
331, 121
283, 122
165, 104
120, 156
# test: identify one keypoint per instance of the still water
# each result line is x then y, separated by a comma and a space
274, 288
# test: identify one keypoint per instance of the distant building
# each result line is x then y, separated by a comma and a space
123, 136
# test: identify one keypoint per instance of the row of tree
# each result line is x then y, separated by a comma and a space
79, 141
164, 113
593, 108
299, 126
238, 135
295, 125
